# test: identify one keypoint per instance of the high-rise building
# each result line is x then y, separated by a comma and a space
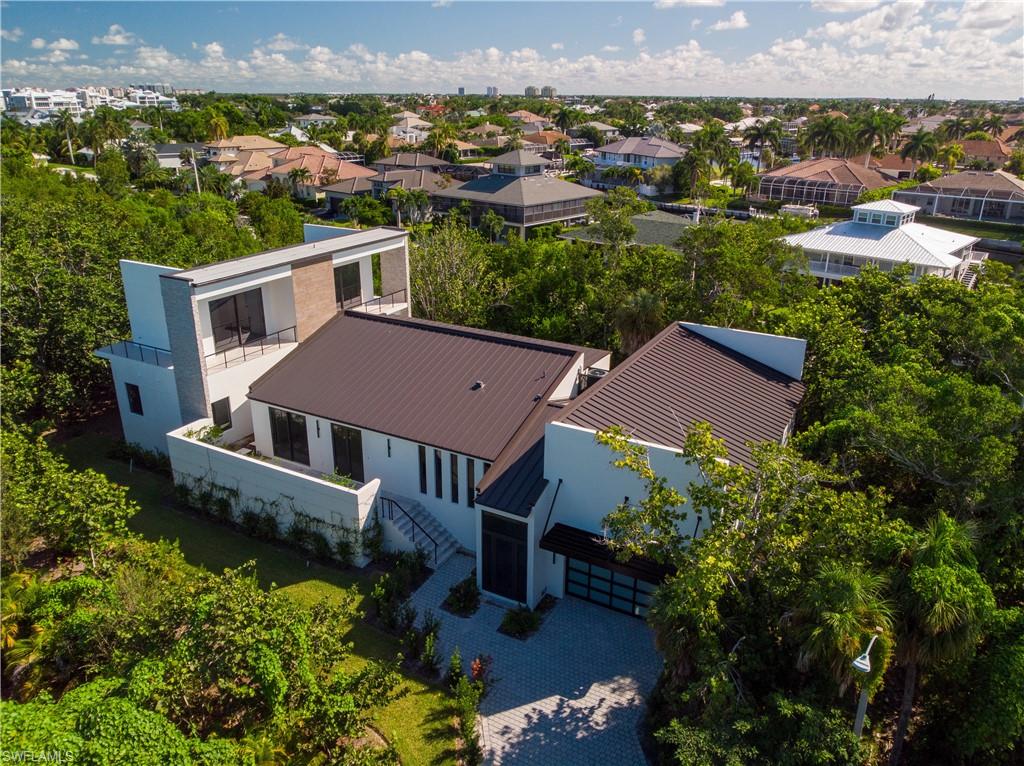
462, 91
532, 91
492, 91
548, 91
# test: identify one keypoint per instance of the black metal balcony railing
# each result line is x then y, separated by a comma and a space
383, 303
141, 352
251, 349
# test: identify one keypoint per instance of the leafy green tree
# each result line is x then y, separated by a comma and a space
112, 173
639, 319
613, 211
365, 210
922, 146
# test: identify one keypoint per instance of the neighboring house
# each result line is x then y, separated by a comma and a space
321, 170
227, 147
654, 228
169, 155
487, 130
885, 235
409, 179
138, 126
200, 336
318, 120
889, 165
405, 115
519, 192
336, 193
524, 116
984, 195
410, 160
546, 139
466, 150
993, 153
411, 130
608, 132
640, 152
826, 181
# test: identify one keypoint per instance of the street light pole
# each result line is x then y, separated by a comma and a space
863, 665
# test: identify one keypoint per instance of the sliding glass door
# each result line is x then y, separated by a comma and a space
348, 290
237, 319
348, 451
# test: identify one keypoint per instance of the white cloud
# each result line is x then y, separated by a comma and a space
991, 15
38, 42
695, 23
844, 6
11, 35
950, 14
557, 46
611, 49
617, 22
116, 35
63, 44
737, 21
639, 36
282, 43
661, 4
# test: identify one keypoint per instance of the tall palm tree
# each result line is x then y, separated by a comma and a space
761, 134
994, 124
64, 123
441, 140
690, 171
218, 126
950, 156
151, 175
566, 118
741, 175
561, 147
943, 605
837, 616
712, 142
829, 135
920, 147
639, 319
872, 132
137, 152
580, 165
954, 128
514, 140
298, 176
399, 198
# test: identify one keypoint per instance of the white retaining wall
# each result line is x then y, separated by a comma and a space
260, 483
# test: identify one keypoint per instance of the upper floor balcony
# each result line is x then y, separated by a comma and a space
139, 352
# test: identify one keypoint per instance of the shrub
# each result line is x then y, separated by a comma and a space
463, 597
268, 528
480, 669
454, 672
467, 700
222, 507
297, 534
140, 456
520, 622
346, 546
373, 540
428, 657
319, 546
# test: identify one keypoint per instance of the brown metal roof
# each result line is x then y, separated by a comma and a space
414, 379
680, 378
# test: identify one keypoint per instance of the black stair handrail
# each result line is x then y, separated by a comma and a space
390, 503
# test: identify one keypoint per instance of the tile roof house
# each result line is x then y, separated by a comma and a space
546, 138
449, 437
321, 170
235, 144
983, 195
885, 235
486, 129
518, 190
522, 115
412, 160
993, 153
826, 180
640, 152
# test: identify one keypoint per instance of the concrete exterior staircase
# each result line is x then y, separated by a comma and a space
417, 525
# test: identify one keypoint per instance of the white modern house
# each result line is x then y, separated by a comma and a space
200, 336
452, 438
885, 235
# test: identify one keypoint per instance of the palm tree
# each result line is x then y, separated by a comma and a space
950, 156
566, 118
954, 128
514, 140
218, 126
151, 175
873, 131
65, 123
137, 152
837, 616
580, 165
562, 147
712, 142
921, 147
994, 124
829, 135
639, 319
943, 605
399, 198
690, 171
741, 175
441, 141
761, 134
298, 176
216, 182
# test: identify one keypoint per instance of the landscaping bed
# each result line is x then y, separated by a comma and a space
523, 622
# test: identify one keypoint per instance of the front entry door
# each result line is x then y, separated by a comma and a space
348, 451
504, 557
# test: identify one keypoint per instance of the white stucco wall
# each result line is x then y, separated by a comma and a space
159, 395
234, 382
779, 352
398, 473
259, 482
145, 302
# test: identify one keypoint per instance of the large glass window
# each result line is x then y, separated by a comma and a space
237, 319
600, 585
504, 556
470, 482
348, 451
347, 287
288, 434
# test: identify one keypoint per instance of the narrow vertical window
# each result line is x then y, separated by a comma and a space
438, 487
134, 398
423, 469
455, 477
470, 482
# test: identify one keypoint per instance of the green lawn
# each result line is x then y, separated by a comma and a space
416, 724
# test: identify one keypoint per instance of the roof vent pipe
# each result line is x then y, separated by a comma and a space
477, 385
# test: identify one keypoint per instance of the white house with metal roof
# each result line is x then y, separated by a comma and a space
885, 234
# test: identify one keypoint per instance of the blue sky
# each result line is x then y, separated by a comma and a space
814, 48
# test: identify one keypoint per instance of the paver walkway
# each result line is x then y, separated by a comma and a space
573, 693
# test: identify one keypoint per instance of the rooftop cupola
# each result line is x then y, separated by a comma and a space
519, 163
884, 212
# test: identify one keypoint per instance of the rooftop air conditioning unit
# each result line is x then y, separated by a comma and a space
591, 376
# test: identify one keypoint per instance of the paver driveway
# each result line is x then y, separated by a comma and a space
573, 693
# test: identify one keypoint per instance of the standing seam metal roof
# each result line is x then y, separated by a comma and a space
414, 379
912, 243
680, 378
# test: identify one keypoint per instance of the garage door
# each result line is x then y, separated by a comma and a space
614, 590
